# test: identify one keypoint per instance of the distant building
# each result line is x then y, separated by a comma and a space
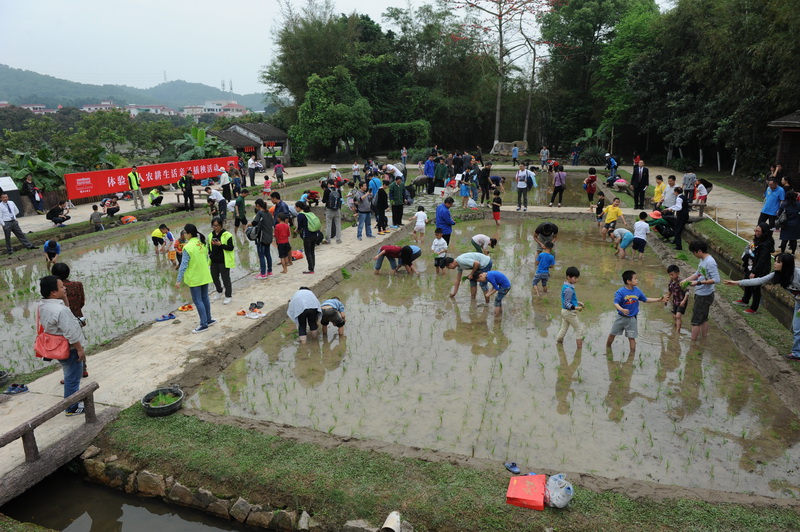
104, 105
38, 109
152, 109
229, 109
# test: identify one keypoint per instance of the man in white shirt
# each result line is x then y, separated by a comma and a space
8, 213
392, 170
225, 183
669, 193
251, 170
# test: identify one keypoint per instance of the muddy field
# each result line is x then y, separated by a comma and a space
417, 368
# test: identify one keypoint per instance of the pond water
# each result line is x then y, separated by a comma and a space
63, 501
421, 369
126, 284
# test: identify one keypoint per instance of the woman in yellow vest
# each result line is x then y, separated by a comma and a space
222, 259
195, 271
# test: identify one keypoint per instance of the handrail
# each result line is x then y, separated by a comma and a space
25, 431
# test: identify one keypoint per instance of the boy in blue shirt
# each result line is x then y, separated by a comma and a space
544, 261
626, 301
332, 312
570, 307
500, 284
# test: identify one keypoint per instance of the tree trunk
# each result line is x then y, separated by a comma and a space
701, 158
680, 151
530, 98
501, 71
347, 145
719, 163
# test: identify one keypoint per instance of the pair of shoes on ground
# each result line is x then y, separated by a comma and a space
186, 308
14, 389
167, 317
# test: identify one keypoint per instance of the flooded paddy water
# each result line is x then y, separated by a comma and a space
420, 369
126, 285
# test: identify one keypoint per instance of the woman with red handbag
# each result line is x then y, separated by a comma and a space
60, 336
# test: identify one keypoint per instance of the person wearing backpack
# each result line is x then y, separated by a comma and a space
332, 198
308, 225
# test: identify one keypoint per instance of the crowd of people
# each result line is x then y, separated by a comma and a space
203, 260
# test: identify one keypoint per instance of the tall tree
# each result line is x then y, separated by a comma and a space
501, 20
333, 110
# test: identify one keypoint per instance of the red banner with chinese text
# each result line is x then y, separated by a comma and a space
102, 182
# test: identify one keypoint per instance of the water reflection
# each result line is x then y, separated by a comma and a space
422, 369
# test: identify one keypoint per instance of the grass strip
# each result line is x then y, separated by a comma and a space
337, 484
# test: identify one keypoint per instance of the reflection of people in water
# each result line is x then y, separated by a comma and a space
691, 383
619, 389
566, 371
670, 355
476, 333
314, 360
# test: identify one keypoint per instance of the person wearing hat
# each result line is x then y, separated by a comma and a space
334, 174
225, 183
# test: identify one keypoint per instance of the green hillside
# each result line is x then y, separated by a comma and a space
19, 87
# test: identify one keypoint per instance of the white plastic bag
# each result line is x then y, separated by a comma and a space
558, 492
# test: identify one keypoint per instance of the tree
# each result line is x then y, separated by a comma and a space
313, 41
502, 18
13, 118
196, 145
112, 129
333, 110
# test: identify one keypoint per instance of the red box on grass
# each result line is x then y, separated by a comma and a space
527, 491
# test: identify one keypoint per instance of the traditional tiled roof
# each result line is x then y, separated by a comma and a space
265, 131
234, 139
791, 120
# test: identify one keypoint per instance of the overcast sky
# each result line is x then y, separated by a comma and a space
125, 42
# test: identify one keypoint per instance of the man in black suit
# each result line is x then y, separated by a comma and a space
639, 182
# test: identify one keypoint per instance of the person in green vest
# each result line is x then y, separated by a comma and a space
195, 271
135, 184
440, 173
156, 197
396, 201
222, 259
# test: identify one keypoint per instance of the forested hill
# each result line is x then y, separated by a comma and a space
21, 87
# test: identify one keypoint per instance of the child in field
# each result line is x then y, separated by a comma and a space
640, 230
499, 284
333, 313
544, 261
590, 185
171, 253
622, 240
211, 208
240, 211
464, 193
612, 214
626, 301
598, 210
570, 307
96, 219
497, 202
451, 188
439, 248
267, 190
52, 249
282, 234
158, 236
677, 295
705, 279
419, 219
178, 245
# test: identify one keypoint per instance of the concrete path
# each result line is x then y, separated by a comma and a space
160, 354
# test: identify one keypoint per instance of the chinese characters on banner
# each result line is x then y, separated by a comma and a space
102, 182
